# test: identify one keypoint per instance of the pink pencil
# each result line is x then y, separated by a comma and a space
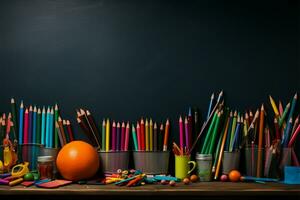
181, 134
138, 131
123, 136
26, 126
127, 137
187, 133
294, 136
113, 137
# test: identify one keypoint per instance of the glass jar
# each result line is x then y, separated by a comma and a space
204, 163
45, 167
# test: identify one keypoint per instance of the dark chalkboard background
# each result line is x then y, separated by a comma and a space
127, 59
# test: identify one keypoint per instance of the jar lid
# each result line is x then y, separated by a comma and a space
45, 158
204, 156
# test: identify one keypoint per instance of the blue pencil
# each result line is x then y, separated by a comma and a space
34, 125
228, 132
286, 134
293, 106
43, 124
51, 128
21, 119
210, 105
236, 135
30, 125
47, 127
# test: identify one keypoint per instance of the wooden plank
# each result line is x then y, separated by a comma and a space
195, 189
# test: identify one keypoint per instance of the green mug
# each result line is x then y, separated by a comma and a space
182, 166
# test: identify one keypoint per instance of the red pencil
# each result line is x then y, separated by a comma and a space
127, 137
165, 148
123, 136
71, 135
138, 133
142, 135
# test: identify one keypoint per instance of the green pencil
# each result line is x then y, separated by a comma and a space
281, 119
103, 133
134, 138
210, 149
233, 129
56, 130
210, 129
38, 126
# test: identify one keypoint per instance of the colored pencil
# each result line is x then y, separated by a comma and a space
113, 136
21, 122
56, 130
26, 116
30, 125
227, 141
260, 140
47, 127
293, 106
51, 124
166, 136
34, 124
134, 137
70, 131
92, 123
155, 137
38, 126
210, 105
209, 132
122, 136
296, 122
236, 135
62, 131
118, 137
107, 139
139, 139
43, 126
103, 133
190, 128
187, 134
287, 133
277, 133
181, 132
294, 136
222, 149
275, 109
210, 149
280, 108
60, 134
127, 137
147, 134
233, 130
150, 135
286, 110
160, 137
14, 117
142, 126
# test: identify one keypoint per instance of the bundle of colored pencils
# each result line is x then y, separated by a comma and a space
7, 126
185, 135
287, 127
147, 136
115, 136
37, 125
87, 124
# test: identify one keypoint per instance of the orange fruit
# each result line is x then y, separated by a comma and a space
234, 175
77, 160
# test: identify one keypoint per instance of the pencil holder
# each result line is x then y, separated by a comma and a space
204, 166
230, 161
50, 152
29, 153
271, 163
111, 161
184, 166
286, 159
251, 155
152, 162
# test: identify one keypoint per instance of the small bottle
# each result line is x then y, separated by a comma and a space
45, 167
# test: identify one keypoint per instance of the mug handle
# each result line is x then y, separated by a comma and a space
194, 166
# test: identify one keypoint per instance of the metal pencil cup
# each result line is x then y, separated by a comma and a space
251, 155
50, 152
113, 160
29, 153
152, 162
204, 166
230, 161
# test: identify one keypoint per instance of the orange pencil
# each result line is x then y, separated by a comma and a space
166, 135
260, 140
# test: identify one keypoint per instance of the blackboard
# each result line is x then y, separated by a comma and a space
128, 59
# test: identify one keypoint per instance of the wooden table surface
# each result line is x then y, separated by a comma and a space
195, 189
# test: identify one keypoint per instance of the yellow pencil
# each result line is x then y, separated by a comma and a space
147, 135
151, 134
107, 135
274, 106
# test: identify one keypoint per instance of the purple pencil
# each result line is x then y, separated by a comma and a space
113, 137
30, 125
118, 142
187, 139
190, 124
123, 137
